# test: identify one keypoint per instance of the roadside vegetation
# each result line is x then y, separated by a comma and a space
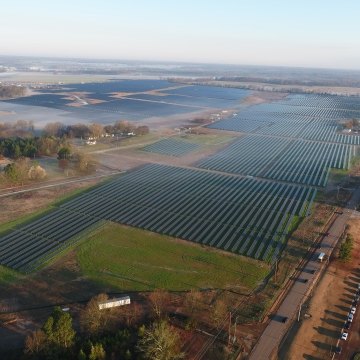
346, 248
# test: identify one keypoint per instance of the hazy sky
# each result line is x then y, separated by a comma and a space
311, 33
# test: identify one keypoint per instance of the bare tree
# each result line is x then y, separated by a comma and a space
130, 313
193, 301
158, 299
35, 342
92, 319
96, 130
84, 163
36, 172
161, 342
142, 130
54, 129
17, 172
219, 313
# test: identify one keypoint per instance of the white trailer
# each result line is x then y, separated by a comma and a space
125, 300
321, 257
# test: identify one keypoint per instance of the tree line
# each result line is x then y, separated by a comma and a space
94, 130
131, 332
18, 139
16, 147
11, 91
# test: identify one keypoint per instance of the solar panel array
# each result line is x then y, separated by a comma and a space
244, 216
172, 147
292, 144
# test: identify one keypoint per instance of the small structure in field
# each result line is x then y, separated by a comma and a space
125, 300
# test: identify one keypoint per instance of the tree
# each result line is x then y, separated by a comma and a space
84, 163
219, 313
17, 151
124, 127
58, 329
96, 130
54, 129
93, 320
109, 129
82, 355
158, 299
131, 313
17, 172
160, 342
11, 91
78, 131
64, 153
97, 352
346, 248
36, 172
142, 130
193, 301
35, 343
47, 145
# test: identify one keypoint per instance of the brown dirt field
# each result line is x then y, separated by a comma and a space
329, 305
75, 104
94, 101
259, 97
5, 112
125, 159
120, 95
159, 92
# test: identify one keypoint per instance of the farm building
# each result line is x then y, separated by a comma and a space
125, 300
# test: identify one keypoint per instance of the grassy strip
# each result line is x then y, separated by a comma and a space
128, 258
8, 276
23, 220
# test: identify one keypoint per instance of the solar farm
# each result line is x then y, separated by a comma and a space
241, 215
172, 147
132, 99
245, 198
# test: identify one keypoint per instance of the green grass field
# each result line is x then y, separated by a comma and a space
132, 259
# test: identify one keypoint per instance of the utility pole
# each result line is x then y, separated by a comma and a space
299, 313
235, 325
229, 329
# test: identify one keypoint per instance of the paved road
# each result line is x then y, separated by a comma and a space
289, 308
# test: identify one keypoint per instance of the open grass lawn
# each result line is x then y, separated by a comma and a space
132, 259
